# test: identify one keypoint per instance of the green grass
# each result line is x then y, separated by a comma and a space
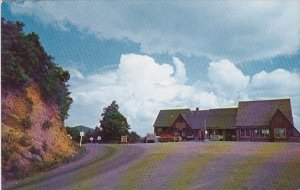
290, 175
243, 170
192, 169
139, 171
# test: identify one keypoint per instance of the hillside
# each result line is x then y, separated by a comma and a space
83, 128
34, 105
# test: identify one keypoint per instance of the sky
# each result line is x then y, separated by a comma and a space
153, 55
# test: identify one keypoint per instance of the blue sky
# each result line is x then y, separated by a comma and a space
156, 55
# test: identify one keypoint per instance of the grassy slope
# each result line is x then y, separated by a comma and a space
289, 176
138, 172
244, 170
190, 170
237, 178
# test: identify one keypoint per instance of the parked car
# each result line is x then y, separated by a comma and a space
151, 138
216, 138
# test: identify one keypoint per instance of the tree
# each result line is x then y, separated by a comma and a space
113, 124
134, 137
73, 131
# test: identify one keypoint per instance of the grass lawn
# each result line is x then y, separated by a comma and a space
242, 172
289, 176
139, 171
190, 170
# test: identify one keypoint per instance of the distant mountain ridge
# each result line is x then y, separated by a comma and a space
83, 128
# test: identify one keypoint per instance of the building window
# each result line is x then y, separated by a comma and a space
248, 132
280, 133
242, 132
261, 133
265, 133
245, 132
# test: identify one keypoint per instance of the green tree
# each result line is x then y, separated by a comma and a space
13, 48
113, 124
133, 137
73, 131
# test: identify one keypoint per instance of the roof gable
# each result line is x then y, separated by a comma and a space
196, 119
166, 118
260, 113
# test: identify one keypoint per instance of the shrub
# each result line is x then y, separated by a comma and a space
7, 148
6, 154
24, 141
47, 124
26, 123
35, 150
45, 146
17, 169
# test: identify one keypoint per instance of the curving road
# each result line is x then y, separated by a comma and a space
99, 161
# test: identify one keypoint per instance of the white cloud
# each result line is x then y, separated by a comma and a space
75, 73
227, 80
280, 82
236, 30
142, 87
180, 70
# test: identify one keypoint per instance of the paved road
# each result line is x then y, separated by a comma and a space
110, 167
99, 161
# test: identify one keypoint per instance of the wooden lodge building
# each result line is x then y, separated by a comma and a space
264, 120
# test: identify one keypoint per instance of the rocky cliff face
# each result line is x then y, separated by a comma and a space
33, 135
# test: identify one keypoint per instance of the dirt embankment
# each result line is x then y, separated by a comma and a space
33, 134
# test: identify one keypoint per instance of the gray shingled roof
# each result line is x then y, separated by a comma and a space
223, 118
260, 113
196, 119
166, 118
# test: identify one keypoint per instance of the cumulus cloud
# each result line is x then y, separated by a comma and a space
180, 74
142, 87
235, 30
279, 81
75, 73
227, 80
